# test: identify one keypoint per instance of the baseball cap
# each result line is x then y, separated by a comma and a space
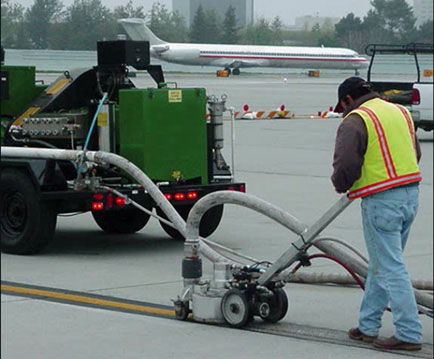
347, 88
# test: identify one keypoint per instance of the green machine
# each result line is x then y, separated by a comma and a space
18, 88
164, 132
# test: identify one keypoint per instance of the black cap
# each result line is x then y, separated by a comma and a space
347, 88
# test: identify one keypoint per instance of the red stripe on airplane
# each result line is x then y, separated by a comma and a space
281, 58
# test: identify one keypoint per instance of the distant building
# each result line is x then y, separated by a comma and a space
423, 11
308, 22
243, 9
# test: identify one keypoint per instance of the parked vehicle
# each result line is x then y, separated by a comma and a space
163, 130
417, 96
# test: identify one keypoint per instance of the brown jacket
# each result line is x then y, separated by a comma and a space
350, 147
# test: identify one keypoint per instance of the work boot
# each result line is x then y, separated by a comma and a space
356, 334
395, 344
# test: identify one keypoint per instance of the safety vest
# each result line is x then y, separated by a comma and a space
390, 159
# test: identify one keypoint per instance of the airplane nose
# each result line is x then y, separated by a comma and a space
362, 63
365, 64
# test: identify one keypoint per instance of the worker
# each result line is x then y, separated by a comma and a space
376, 158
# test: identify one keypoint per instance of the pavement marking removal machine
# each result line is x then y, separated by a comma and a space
51, 134
238, 292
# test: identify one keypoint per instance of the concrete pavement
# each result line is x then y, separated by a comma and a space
286, 162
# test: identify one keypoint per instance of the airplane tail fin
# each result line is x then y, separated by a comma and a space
137, 30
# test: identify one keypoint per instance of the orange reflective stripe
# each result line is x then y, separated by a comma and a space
382, 141
381, 186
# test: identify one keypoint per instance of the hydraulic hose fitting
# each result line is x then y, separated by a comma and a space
192, 268
191, 264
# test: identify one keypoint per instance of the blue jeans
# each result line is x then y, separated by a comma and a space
387, 217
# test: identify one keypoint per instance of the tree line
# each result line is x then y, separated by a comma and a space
47, 24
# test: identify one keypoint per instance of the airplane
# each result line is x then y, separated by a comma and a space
234, 57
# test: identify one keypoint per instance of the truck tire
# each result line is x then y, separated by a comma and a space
208, 224
27, 224
129, 220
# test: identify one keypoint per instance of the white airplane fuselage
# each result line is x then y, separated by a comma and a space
239, 56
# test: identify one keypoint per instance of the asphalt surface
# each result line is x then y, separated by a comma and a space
286, 162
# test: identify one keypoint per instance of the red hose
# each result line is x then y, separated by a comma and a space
348, 269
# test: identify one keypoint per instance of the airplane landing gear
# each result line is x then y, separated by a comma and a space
228, 70
236, 72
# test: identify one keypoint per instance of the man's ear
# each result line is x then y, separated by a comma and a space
348, 99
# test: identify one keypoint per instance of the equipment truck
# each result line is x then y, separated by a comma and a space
417, 96
165, 131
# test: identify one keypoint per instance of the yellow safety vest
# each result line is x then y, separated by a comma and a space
390, 158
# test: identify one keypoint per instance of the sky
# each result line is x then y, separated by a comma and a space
287, 10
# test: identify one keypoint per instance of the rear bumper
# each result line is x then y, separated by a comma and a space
420, 120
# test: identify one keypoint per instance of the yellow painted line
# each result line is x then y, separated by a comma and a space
57, 86
87, 300
30, 111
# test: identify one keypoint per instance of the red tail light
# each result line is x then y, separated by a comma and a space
97, 206
231, 188
179, 196
192, 195
415, 97
120, 202
168, 196
242, 188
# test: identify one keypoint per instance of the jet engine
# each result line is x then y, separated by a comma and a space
181, 55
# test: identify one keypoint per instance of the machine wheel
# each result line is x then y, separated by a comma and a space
129, 220
182, 310
277, 306
235, 308
27, 224
208, 224
228, 70
236, 72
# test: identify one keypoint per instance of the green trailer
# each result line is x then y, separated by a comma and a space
165, 131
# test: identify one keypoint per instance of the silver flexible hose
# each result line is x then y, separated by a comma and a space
191, 230
350, 247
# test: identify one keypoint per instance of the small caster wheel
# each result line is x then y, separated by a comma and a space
235, 308
182, 310
275, 308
